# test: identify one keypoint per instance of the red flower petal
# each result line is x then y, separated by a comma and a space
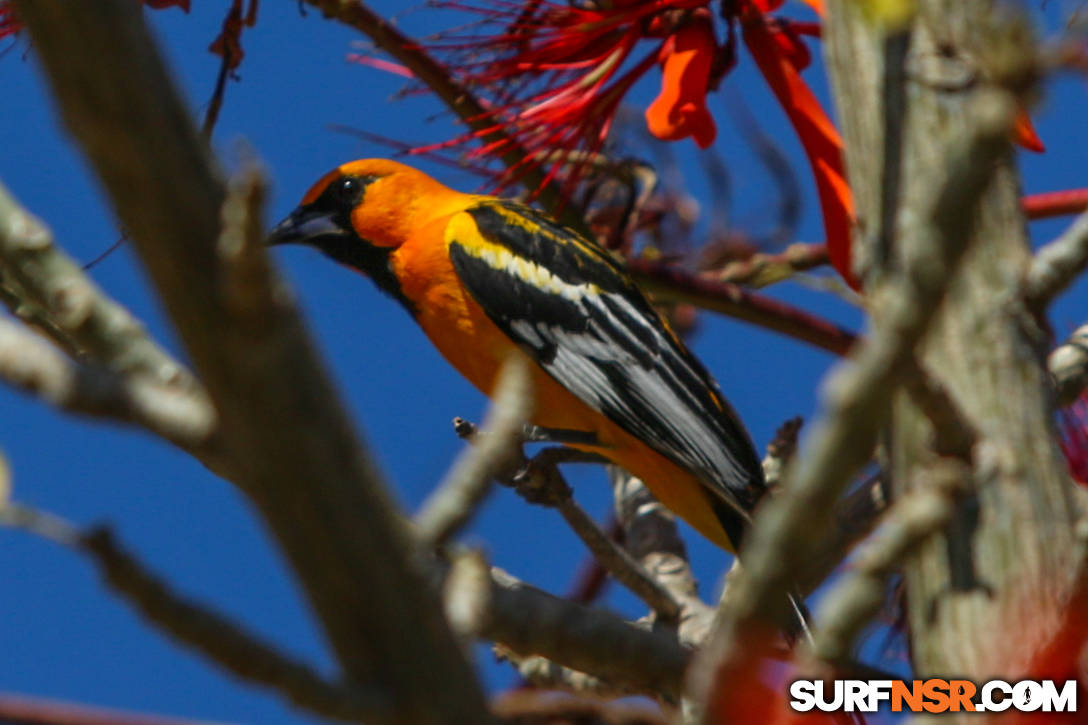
9, 24
818, 136
1054, 203
1025, 135
790, 44
680, 109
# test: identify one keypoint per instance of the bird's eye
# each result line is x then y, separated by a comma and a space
348, 190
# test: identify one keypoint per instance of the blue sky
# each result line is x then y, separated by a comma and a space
63, 635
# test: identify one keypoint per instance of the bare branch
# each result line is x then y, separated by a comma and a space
33, 365
542, 672
213, 636
1057, 264
619, 563
293, 449
761, 270
466, 593
652, 537
1068, 367
39, 711
456, 498
81, 313
526, 707
529, 621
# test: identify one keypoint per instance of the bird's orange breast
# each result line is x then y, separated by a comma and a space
477, 348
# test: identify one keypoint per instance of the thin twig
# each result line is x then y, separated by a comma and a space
456, 498
761, 270
591, 578
620, 564
1057, 264
670, 284
460, 100
539, 481
223, 642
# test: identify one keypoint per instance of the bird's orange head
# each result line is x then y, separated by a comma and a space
361, 211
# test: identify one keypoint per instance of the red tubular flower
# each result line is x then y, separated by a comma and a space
1054, 203
777, 60
553, 77
680, 109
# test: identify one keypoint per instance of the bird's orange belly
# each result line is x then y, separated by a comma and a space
477, 348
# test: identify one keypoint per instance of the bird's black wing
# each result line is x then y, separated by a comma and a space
578, 313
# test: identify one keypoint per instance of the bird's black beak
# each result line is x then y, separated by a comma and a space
310, 225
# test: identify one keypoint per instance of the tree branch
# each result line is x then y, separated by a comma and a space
1068, 367
857, 399
81, 313
211, 635
1057, 265
456, 498
33, 365
761, 270
653, 539
293, 449
39, 711
539, 481
529, 621
671, 284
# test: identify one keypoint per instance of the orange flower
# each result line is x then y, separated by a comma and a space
680, 109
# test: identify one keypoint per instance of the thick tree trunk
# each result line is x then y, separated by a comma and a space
983, 595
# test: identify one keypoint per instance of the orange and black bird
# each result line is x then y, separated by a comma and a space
487, 278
